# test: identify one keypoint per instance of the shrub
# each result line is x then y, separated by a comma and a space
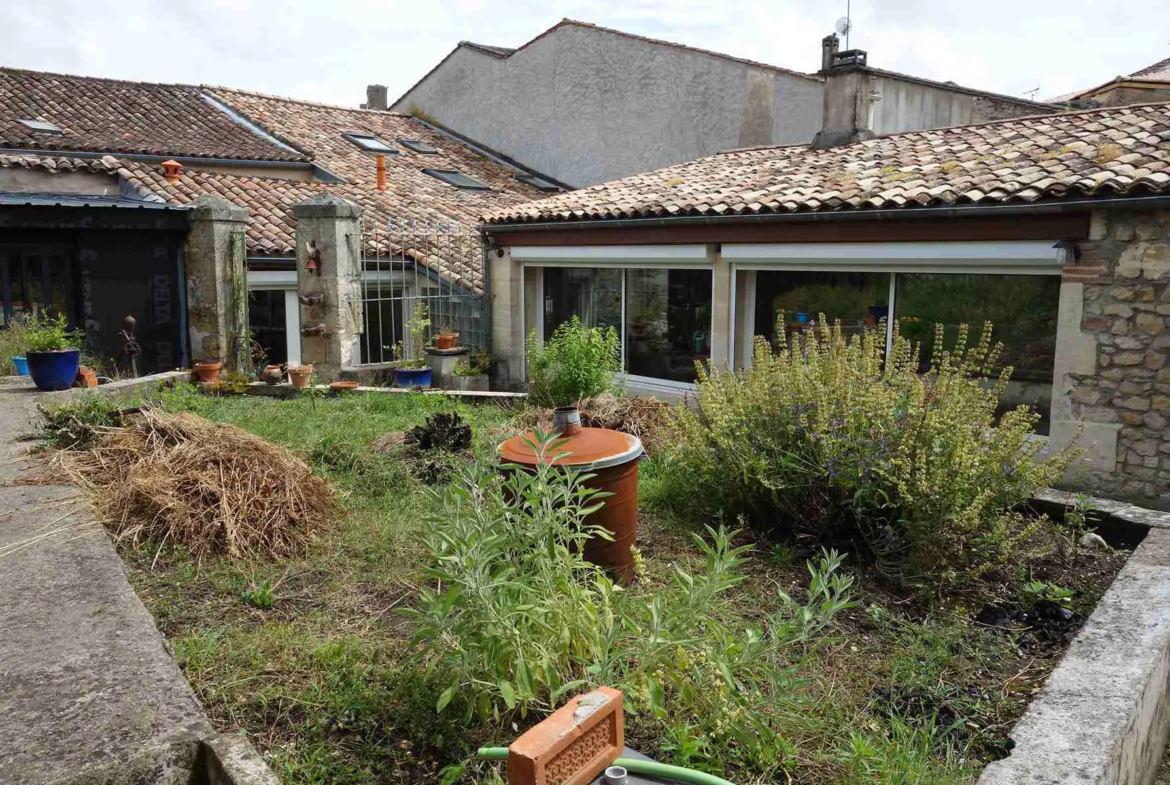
828, 436
575, 362
517, 620
50, 334
13, 341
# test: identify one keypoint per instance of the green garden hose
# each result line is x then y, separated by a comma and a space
634, 766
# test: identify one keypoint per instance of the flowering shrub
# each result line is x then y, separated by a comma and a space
828, 436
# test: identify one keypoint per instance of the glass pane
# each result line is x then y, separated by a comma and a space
592, 295
1022, 309
266, 319
668, 322
856, 299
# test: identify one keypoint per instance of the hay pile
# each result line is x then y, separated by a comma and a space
646, 418
212, 488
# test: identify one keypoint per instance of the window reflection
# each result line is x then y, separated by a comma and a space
594, 295
800, 298
668, 322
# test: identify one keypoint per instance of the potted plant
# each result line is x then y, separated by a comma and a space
447, 338
471, 375
52, 353
300, 375
410, 368
207, 371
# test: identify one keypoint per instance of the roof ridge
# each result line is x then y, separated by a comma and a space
924, 131
139, 82
302, 101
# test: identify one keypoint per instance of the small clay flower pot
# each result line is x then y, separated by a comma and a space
207, 371
445, 341
300, 376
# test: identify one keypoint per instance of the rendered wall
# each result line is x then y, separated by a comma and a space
913, 106
586, 106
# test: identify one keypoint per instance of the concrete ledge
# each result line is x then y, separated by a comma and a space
231, 760
1103, 717
1120, 511
124, 390
288, 391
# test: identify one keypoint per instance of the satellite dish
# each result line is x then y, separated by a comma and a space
844, 26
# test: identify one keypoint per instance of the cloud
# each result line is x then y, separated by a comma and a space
330, 51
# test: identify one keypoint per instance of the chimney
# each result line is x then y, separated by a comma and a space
376, 97
381, 171
848, 108
829, 46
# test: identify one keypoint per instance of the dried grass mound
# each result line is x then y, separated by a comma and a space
646, 418
212, 488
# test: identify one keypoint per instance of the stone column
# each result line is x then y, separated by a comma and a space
329, 282
217, 283
721, 327
508, 330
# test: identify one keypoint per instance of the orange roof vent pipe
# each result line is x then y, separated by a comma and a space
381, 172
171, 170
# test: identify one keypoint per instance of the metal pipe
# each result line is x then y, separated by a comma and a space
1135, 202
381, 169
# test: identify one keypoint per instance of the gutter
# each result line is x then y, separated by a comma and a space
1133, 202
190, 160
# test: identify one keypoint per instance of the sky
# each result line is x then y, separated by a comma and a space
329, 51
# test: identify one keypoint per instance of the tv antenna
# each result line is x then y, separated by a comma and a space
1032, 93
845, 23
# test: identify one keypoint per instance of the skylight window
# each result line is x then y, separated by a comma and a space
41, 127
538, 183
457, 179
371, 143
417, 146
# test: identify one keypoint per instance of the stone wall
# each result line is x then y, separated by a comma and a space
1120, 382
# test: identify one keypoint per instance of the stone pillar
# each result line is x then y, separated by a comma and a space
721, 327
508, 332
329, 282
217, 283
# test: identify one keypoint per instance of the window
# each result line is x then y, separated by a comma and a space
538, 182
594, 295
371, 143
800, 298
668, 323
41, 127
457, 179
266, 319
417, 146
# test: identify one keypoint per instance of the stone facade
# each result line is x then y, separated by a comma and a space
1118, 379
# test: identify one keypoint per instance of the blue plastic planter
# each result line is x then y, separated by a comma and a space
54, 370
412, 377
21, 365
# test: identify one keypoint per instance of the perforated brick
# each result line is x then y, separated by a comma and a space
573, 745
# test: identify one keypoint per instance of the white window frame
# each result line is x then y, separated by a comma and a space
285, 281
623, 257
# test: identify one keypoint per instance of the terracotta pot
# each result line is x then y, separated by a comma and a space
300, 376
86, 376
207, 371
343, 384
273, 374
446, 341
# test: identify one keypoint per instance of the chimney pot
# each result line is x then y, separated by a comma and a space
171, 171
829, 46
376, 97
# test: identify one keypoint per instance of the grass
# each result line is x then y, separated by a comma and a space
310, 656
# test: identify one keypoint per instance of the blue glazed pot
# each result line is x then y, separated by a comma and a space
53, 370
21, 365
412, 377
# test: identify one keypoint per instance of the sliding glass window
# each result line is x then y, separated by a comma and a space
792, 302
668, 323
592, 294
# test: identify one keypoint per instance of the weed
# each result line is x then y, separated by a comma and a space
259, 595
1034, 591
77, 425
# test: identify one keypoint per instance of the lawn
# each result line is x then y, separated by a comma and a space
312, 657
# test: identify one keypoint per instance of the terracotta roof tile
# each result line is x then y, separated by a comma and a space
1074, 154
112, 116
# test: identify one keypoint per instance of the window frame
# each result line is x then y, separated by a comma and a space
439, 174
355, 139
50, 129
411, 144
533, 179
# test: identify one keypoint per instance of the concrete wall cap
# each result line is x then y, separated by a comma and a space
213, 208
326, 205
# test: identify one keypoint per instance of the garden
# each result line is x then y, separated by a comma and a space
839, 578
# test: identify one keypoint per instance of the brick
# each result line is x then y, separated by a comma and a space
573, 744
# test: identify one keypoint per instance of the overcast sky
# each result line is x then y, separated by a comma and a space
328, 51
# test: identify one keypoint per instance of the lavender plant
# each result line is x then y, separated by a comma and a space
829, 436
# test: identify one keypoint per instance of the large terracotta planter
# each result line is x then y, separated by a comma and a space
300, 376
207, 371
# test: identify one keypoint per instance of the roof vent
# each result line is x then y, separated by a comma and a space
41, 127
171, 171
848, 59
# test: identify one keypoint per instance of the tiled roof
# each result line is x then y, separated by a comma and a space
1103, 152
1158, 71
49, 163
111, 116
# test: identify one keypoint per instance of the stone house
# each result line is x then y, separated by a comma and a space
586, 104
1055, 228
105, 211
1144, 85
